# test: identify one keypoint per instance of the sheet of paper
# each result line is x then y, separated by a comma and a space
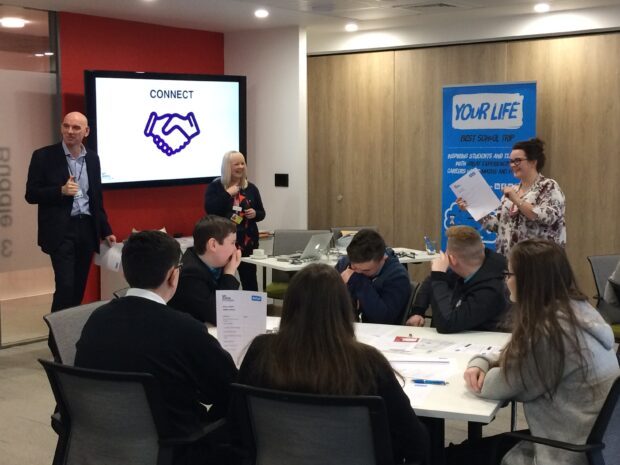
423, 368
108, 257
480, 198
474, 349
240, 316
431, 345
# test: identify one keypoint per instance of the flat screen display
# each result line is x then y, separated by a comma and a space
153, 129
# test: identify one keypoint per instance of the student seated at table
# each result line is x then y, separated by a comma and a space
315, 351
378, 283
559, 362
140, 333
466, 287
207, 266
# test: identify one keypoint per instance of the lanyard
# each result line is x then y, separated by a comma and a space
79, 176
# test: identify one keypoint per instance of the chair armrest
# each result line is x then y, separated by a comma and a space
556, 444
207, 430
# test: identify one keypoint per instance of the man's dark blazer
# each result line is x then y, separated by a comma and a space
47, 173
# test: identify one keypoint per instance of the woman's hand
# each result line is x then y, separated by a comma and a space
250, 213
233, 190
474, 378
461, 204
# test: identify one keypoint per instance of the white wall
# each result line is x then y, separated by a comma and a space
452, 31
274, 62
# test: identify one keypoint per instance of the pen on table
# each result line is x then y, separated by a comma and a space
429, 381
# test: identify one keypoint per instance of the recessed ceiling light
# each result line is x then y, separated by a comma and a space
12, 22
541, 7
48, 54
351, 27
261, 13
39, 55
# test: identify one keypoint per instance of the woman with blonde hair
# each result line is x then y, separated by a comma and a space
233, 196
559, 362
315, 351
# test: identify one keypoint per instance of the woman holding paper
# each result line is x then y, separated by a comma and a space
233, 196
315, 351
533, 208
560, 360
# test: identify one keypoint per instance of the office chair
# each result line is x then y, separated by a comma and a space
602, 446
602, 268
283, 428
113, 418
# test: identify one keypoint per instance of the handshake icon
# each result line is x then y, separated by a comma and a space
171, 132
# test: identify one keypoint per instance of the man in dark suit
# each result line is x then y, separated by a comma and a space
140, 333
64, 180
208, 266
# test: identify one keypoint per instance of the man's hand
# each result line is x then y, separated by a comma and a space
415, 320
474, 378
111, 240
250, 213
70, 188
233, 262
441, 263
346, 275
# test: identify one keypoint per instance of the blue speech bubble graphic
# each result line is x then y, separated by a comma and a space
454, 216
171, 132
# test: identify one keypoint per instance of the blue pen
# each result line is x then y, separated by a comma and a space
436, 382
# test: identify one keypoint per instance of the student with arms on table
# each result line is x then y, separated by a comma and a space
140, 333
207, 266
559, 362
378, 283
466, 287
315, 351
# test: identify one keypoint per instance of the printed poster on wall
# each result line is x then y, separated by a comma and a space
480, 125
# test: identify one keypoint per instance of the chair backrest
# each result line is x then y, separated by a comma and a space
66, 328
615, 285
287, 241
606, 430
602, 268
303, 429
415, 287
110, 418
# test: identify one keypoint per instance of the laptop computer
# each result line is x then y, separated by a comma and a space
316, 246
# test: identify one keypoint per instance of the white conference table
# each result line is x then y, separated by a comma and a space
415, 256
452, 401
272, 263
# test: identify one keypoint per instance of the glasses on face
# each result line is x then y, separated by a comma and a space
516, 161
507, 274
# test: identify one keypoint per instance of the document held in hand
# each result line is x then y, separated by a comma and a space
241, 316
480, 198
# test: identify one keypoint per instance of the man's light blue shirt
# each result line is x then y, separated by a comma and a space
78, 169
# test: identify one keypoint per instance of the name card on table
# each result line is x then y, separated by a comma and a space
240, 316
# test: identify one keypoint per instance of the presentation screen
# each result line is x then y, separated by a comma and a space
153, 129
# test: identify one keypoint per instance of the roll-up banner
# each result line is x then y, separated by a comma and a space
480, 125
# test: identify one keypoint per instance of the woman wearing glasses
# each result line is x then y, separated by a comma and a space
560, 361
533, 208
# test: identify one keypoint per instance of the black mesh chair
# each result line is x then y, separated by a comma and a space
602, 268
284, 428
603, 444
112, 418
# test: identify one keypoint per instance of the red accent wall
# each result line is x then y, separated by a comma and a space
91, 42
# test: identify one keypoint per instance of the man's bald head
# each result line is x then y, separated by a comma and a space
74, 129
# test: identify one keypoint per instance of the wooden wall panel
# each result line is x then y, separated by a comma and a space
579, 119
351, 141
578, 115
